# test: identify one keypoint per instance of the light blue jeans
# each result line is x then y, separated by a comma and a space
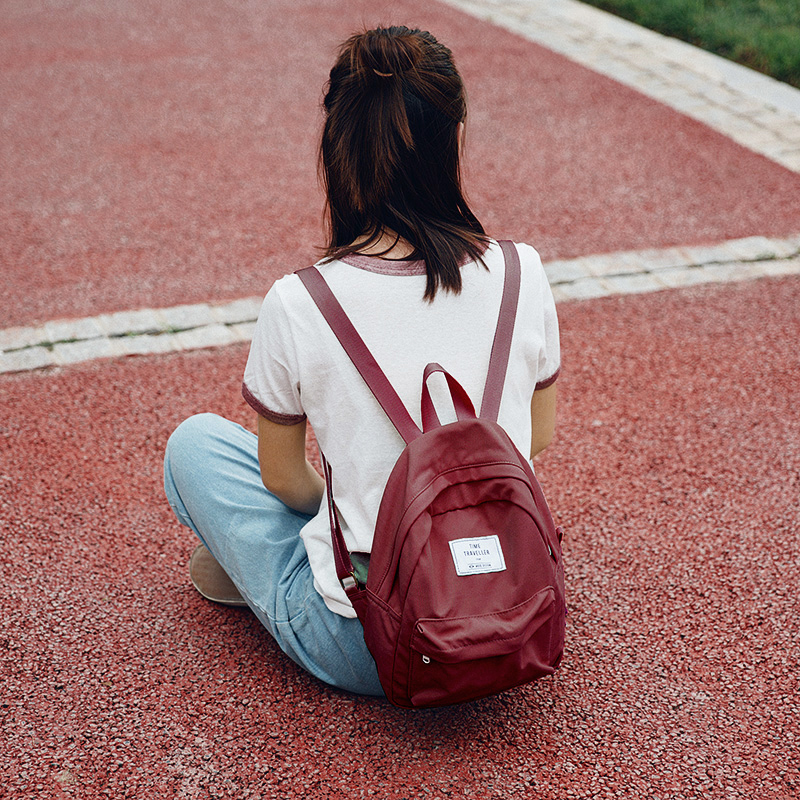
213, 483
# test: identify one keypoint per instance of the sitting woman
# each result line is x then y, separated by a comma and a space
422, 282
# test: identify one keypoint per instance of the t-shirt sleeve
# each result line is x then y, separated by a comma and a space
271, 383
549, 362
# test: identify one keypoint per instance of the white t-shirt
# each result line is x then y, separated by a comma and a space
297, 368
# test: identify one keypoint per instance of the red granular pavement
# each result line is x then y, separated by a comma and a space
157, 153
675, 472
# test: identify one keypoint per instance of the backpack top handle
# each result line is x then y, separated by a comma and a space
461, 402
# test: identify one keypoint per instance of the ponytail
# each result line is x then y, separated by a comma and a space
389, 155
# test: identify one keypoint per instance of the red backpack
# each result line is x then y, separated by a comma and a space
465, 592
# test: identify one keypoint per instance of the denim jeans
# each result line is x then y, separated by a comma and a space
213, 483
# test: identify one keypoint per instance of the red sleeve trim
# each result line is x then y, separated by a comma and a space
549, 381
272, 416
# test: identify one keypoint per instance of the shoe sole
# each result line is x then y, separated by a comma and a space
211, 580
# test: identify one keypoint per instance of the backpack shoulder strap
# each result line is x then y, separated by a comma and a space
501, 347
359, 354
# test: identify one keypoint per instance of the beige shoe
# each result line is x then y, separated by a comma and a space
211, 580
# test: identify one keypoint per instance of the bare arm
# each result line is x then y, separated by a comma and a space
285, 470
543, 418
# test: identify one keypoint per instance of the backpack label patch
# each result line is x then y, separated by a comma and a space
474, 556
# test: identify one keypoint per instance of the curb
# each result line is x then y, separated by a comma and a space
756, 111
193, 327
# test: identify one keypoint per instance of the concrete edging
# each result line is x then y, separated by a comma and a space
754, 110
193, 327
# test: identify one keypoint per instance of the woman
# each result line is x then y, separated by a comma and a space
421, 281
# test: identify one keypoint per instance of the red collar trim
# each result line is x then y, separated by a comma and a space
384, 266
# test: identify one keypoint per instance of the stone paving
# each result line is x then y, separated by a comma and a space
755, 110
191, 327
758, 112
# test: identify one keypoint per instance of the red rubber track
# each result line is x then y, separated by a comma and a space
675, 472
157, 153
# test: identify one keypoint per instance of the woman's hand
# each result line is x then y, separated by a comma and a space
285, 470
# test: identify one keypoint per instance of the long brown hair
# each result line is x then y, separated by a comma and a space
389, 155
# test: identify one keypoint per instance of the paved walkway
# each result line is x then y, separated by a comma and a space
753, 109
192, 327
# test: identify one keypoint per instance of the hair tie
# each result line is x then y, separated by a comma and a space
383, 74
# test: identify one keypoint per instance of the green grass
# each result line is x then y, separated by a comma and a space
762, 34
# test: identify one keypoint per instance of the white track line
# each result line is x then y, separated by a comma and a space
192, 327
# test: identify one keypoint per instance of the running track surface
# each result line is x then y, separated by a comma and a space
675, 470
158, 153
